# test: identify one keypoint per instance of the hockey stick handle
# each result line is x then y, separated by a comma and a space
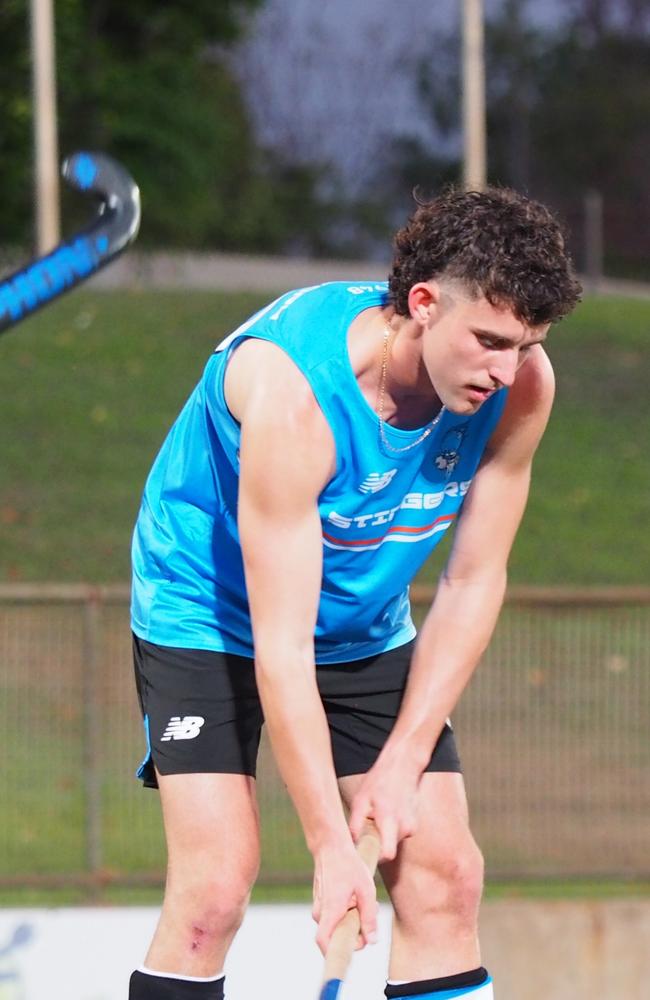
344, 939
113, 229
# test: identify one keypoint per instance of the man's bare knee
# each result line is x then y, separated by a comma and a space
442, 885
462, 879
207, 910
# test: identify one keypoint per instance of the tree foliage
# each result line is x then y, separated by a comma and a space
146, 80
568, 113
16, 118
592, 132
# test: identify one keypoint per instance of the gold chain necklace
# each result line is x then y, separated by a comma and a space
381, 400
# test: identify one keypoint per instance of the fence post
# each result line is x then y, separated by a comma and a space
92, 733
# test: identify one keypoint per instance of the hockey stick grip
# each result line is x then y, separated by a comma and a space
344, 939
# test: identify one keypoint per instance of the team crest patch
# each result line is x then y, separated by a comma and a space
447, 461
377, 481
449, 455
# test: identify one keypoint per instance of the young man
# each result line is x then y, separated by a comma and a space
331, 442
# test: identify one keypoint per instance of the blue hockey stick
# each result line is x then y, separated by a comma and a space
72, 261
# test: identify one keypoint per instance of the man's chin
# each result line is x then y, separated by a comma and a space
464, 407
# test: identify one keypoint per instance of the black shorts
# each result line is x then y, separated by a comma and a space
202, 712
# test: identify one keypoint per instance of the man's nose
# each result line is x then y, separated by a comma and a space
504, 367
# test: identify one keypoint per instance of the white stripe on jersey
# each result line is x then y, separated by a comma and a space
388, 538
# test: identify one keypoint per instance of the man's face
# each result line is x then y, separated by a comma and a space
471, 349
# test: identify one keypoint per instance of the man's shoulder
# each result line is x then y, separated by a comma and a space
336, 295
263, 383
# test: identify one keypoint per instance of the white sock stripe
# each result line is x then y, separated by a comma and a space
485, 991
187, 979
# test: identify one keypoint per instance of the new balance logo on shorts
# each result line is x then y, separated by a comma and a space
187, 728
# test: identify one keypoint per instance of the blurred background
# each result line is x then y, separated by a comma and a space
295, 127
277, 143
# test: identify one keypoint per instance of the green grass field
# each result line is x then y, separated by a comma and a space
89, 387
133, 896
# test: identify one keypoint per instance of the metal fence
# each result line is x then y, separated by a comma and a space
553, 731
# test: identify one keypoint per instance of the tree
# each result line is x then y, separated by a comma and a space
590, 127
568, 112
598, 18
15, 114
147, 81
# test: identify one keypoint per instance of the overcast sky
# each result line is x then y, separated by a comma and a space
332, 80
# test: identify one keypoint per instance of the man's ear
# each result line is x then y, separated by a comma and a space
424, 301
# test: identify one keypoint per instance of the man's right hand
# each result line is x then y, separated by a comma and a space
342, 882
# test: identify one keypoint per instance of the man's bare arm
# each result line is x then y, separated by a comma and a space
462, 617
287, 455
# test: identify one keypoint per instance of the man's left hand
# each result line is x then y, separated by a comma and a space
388, 797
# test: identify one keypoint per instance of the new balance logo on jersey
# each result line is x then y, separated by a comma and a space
376, 481
187, 728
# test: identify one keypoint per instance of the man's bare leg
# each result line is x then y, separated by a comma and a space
435, 886
212, 831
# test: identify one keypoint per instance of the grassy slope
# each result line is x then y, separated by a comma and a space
87, 391
89, 387
590, 499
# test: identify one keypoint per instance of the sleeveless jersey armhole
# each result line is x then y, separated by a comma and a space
224, 354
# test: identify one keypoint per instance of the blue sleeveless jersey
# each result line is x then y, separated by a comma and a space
382, 512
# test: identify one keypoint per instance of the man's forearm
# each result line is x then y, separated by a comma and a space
450, 644
301, 745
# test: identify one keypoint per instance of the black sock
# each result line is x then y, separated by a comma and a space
465, 980
149, 986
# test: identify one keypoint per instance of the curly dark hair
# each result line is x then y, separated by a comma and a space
498, 243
